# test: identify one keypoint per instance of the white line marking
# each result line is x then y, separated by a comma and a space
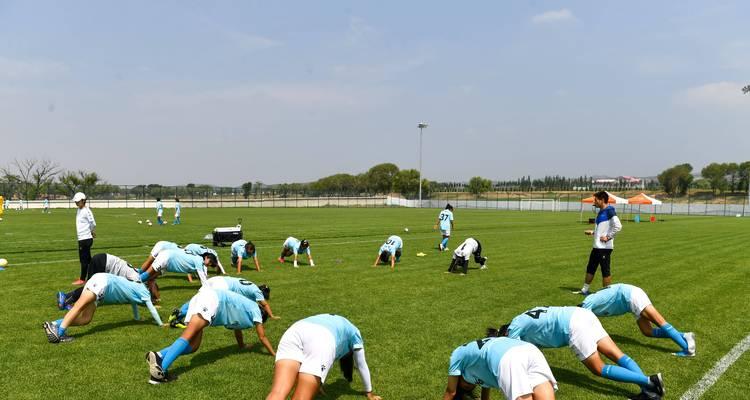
715, 373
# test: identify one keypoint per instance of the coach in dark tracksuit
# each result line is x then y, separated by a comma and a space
607, 225
86, 229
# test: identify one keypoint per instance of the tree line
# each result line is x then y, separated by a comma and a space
718, 177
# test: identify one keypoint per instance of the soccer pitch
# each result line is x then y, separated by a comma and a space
695, 270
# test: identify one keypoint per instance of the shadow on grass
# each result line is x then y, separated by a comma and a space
631, 341
337, 389
202, 358
588, 381
66, 249
110, 326
571, 289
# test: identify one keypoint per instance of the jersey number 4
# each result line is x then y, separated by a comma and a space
535, 313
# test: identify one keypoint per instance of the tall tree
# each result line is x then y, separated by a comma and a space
406, 182
247, 188
479, 185
716, 174
380, 177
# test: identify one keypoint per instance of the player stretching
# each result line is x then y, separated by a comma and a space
621, 298
244, 250
307, 351
515, 367
390, 251
209, 307
293, 246
445, 222
579, 329
102, 288
469, 248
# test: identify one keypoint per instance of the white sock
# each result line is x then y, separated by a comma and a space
585, 287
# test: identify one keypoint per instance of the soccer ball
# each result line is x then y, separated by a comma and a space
3, 262
406, 229
149, 223
140, 222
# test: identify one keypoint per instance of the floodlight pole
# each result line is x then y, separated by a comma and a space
421, 126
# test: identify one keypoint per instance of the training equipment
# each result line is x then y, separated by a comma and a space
406, 229
149, 223
3, 262
738, 215
226, 235
140, 222
421, 254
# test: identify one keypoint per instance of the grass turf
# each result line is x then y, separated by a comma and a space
695, 269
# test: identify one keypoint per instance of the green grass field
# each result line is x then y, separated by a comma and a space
695, 269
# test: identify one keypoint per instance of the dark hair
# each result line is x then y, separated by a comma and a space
385, 256
347, 365
176, 199
602, 195
499, 332
304, 243
249, 245
265, 290
212, 261
158, 199
449, 207
263, 314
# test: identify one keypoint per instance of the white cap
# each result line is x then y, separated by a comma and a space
78, 197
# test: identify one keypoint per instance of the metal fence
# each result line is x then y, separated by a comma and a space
204, 196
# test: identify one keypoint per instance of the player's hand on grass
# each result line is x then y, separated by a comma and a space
372, 396
275, 317
588, 232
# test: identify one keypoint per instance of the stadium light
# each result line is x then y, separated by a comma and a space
421, 126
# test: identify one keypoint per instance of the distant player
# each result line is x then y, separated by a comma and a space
469, 248
622, 298
292, 246
515, 367
579, 329
102, 262
244, 250
607, 225
45, 204
390, 251
259, 294
159, 211
209, 307
445, 222
306, 354
20, 205
177, 211
102, 288
86, 232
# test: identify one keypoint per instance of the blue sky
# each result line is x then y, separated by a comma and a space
225, 92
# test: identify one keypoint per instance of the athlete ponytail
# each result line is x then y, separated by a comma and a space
499, 332
347, 366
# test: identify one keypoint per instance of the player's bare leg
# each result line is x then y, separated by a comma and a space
284, 376
307, 387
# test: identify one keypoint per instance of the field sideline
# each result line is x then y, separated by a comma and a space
695, 269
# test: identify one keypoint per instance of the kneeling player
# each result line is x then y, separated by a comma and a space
470, 247
307, 351
102, 288
621, 298
259, 294
292, 246
244, 250
579, 329
515, 367
214, 308
102, 262
390, 251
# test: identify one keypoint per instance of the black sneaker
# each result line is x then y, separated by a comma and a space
174, 318
51, 330
165, 379
658, 384
645, 396
154, 367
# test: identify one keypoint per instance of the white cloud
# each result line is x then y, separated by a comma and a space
553, 16
252, 42
726, 95
12, 69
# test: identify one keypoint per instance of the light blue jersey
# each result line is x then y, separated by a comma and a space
199, 250
543, 326
293, 244
347, 335
183, 262
609, 301
122, 291
445, 217
237, 285
177, 209
239, 251
236, 311
159, 206
391, 245
479, 361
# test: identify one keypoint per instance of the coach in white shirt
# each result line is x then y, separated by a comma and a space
85, 227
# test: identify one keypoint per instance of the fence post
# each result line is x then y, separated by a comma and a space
725, 204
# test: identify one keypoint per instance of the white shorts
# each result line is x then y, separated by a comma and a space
160, 264
445, 232
159, 213
585, 332
522, 368
311, 345
159, 246
638, 301
97, 284
205, 304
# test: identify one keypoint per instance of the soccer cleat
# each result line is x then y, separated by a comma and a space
78, 282
440, 246
683, 353
645, 396
658, 385
483, 267
690, 339
174, 318
280, 259
165, 379
61, 300
68, 307
153, 359
445, 249
51, 330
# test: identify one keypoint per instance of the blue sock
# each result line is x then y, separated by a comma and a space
444, 242
177, 349
659, 333
144, 276
675, 335
620, 374
184, 310
60, 329
628, 363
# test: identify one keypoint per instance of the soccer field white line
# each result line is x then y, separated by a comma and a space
721, 366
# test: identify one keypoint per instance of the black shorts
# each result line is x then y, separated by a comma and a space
98, 264
599, 257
